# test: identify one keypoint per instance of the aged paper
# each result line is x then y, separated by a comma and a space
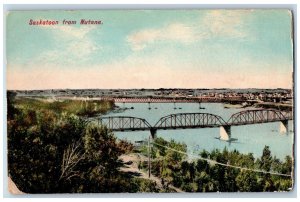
114, 101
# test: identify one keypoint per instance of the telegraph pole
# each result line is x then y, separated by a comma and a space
149, 156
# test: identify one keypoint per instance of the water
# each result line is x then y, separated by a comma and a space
250, 138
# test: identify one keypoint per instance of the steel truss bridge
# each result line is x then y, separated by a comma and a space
196, 120
163, 99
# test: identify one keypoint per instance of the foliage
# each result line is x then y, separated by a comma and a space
247, 181
143, 185
11, 109
125, 146
50, 152
85, 108
36, 145
206, 176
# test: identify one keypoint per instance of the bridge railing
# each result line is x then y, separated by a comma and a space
189, 120
288, 114
258, 116
124, 123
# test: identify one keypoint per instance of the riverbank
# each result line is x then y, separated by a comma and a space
83, 108
262, 105
234, 106
271, 105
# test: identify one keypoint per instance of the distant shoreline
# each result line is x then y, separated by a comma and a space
155, 89
238, 104
233, 98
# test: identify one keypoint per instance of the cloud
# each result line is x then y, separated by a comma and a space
176, 32
76, 32
73, 45
72, 31
73, 53
226, 23
215, 23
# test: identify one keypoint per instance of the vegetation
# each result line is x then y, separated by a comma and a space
201, 176
86, 108
51, 149
53, 152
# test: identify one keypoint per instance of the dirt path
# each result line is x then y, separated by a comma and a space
133, 167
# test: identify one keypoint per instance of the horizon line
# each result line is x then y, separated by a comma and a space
151, 88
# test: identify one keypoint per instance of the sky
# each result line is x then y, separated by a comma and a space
150, 49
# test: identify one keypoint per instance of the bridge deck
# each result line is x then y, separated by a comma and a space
195, 120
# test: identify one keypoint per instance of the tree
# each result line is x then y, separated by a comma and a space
229, 180
246, 181
192, 171
184, 168
266, 182
36, 145
287, 165
50, 153
102, 152
266, 159
11, 109
71, 157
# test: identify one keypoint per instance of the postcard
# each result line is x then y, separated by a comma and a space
150, 101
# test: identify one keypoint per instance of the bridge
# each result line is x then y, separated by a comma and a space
199, 120
162, 99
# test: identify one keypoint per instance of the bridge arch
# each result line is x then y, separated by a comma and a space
189, 120
124, 123
258, 116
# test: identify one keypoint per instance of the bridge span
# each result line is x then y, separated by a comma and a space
199, 120
162, 99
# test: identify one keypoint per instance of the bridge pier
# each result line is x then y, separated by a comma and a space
284, 127
225, 133
153, 132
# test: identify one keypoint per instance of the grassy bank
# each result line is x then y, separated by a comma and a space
78, 107
271, 105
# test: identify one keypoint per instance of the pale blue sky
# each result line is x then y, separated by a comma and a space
151, 49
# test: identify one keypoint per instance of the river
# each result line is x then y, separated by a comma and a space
250, 138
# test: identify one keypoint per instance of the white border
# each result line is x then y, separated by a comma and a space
119, 4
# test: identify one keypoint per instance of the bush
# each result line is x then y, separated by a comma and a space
36, 144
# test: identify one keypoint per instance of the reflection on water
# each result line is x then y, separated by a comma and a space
248, 138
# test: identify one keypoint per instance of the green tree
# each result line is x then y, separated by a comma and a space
287, 165
52, 153
192, 171
11, 109
266, 182
229, 180
102, 154
246, 181
36, 144
205, 183
266, 159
